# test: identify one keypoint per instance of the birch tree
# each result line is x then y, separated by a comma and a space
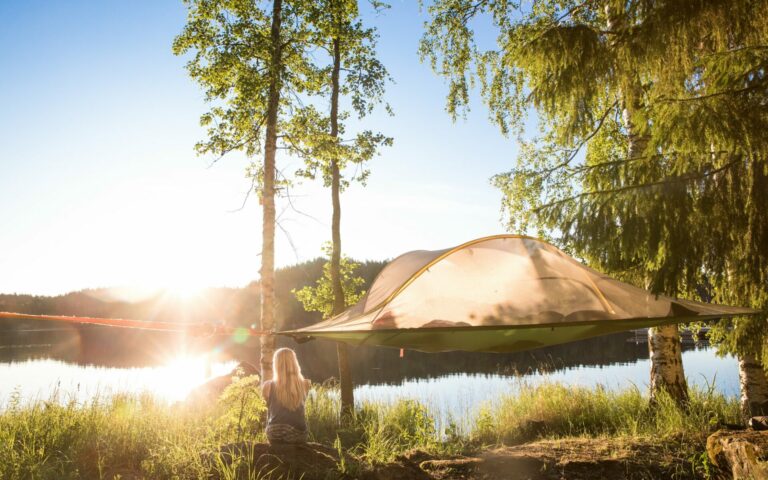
252, 60
356, 74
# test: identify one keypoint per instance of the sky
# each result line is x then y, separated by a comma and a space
100, 185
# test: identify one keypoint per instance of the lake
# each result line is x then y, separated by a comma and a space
76, 366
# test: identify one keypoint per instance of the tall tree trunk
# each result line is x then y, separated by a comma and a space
342, 352
663, 342
754, 387
667, 364
268, 199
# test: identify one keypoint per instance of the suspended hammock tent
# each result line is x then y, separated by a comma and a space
505, 293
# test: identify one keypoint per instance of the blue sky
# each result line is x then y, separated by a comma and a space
100, 184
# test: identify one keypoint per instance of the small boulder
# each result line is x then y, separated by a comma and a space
213, 388
758, 423
743, 453
440, 466
308, 461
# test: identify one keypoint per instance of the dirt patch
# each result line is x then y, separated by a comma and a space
575, 458
581, 459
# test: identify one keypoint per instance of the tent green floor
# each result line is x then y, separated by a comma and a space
503, 339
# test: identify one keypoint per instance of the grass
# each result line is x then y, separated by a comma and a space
553, 410
128, 436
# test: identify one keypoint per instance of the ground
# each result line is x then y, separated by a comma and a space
575, 458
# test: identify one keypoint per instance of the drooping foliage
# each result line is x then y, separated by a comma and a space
684, 83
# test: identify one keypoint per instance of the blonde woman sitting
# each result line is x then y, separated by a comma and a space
285, 395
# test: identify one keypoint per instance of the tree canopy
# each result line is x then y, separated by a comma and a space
686, 211
231, 53
361, 79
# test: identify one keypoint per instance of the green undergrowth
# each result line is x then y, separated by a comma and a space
139, 436
553, 410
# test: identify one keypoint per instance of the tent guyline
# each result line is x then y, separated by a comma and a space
194, 329
504, 293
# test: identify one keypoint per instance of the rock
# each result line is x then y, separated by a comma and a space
743, 453
213, 388
417, 456
309, 461
441, 466
397, 470
758, 423
461, 466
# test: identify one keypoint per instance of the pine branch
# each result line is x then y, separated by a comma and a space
585, 168
669, 181
575, 151
737, 91
556, 23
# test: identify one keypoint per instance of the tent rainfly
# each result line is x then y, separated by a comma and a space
504, 293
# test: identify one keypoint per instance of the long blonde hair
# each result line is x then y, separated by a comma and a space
287, 381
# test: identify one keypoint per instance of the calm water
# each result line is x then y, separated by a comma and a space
451, 385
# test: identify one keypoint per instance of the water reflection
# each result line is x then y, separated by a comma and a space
85, 362
42, 379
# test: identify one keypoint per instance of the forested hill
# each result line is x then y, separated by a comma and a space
232, 306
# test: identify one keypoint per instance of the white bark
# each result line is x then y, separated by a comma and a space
754, 387
667, 363
267, 272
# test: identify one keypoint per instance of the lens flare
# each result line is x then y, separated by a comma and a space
240, 335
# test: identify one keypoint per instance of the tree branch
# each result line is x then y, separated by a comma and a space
575, 151
715, 94
247, 195
669, 181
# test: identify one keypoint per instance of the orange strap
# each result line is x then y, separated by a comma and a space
197, 329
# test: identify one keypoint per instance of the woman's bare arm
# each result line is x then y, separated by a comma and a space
265, 389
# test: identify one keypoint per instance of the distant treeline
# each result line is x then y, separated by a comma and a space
231, 306
240, 307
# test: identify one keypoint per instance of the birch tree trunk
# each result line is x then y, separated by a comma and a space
663, 342
342, 352
267, 272
667, 373
754, 387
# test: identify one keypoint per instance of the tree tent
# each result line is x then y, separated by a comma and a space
504, 293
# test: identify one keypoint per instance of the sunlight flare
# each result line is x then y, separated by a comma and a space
182, 373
